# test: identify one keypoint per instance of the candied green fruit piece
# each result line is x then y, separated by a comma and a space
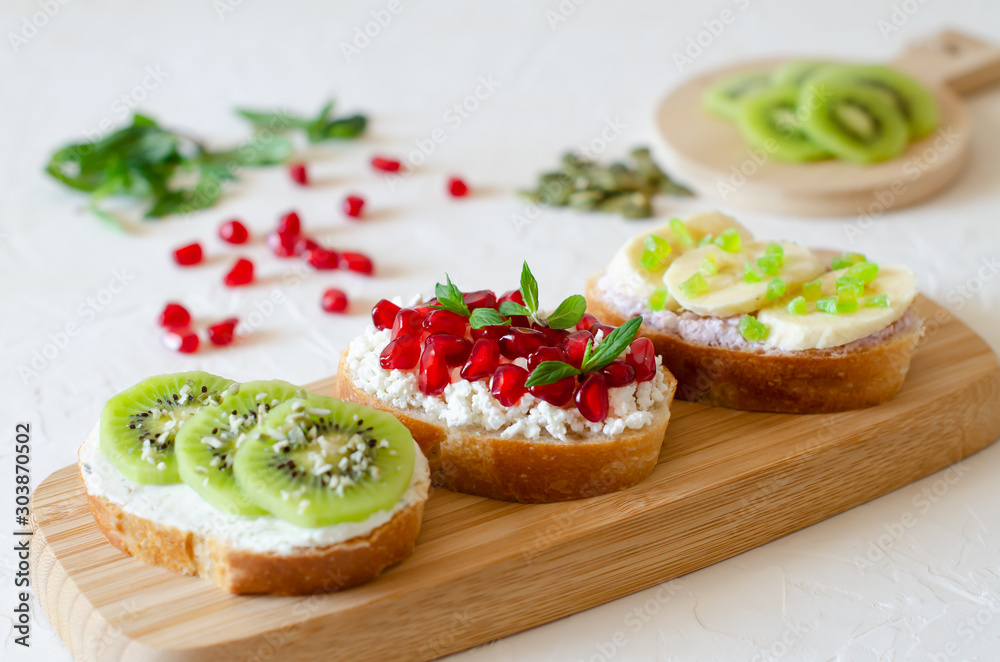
705, 241
769, 264
749, 275
850, 285
827, 305
812, 290
775, 249
658, 299
710, 265
846, 303
752, 330
694, 286
655, 251
877, 301
729, 241
680, 231
797, 306
775, 288
863, 271
846, 260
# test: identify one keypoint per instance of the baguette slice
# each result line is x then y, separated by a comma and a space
235, 568
474, 461
814, 381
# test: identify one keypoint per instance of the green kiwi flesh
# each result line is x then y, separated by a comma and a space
768, 119
723, 98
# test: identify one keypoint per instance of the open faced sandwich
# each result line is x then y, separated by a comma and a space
763, 325
508, 402
261, 487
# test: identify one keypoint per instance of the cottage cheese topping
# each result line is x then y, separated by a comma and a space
179, 506
466, 403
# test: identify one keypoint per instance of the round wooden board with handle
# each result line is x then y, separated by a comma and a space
709, 155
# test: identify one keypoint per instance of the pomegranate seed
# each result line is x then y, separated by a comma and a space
592, 397
480, 299
507, 384
433, 375
357, 262
290, 224
334, 300
456, 348
618, 373
282, 245
298, 173
386, 165
188, 255
384, 314
586, 322
408, 322
483, 360
519, 342
174, 315
425, 308
222, 333
303, 244
575, 344
558, 393
233, 232
601, 327
512, 295
555, 337
457, 188
491, 332
353, 205
181, 340
546, 354
400, 354
322, 258
240, 274
445, 321
642, 356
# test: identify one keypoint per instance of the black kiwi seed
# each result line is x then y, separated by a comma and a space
204, 389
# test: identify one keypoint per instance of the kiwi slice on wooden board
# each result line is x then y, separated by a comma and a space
797, 72
768, 119
206, 446
317, 461
139, 425
854, 122
723, 98
915, 102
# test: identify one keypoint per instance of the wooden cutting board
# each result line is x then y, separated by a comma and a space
710, 156
727, 481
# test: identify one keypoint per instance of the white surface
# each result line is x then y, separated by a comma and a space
934, 544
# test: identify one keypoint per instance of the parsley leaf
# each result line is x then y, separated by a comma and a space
568, 313
549, 372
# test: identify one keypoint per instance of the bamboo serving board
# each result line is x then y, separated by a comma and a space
727, 481
710, 156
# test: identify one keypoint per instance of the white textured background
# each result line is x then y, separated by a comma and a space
932, 590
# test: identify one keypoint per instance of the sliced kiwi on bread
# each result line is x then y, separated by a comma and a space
724, 97
139, 425
206, 446
769, 119
913, 101
317, 461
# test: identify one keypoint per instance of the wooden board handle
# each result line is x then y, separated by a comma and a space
956, 60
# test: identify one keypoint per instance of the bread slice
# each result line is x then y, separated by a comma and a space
475, 461
187, 548
812, 381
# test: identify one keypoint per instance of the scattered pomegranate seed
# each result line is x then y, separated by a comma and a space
298, 173
586, 322
575, 345
353, 205
456, 348
546, 354
642, 357
290, 224
233, 232
618, 373
601, 327
445, 321
507, 384
520, 342
433, 375
334, 300
480, 299
240, 274
303, 244
321, 258
174, 315
400, 354
386, 165
483, 360
282, 245
512, 295
188, 255
222, 333
592, 397
384, 314
357, 262
408, 322
457, 188
557, 393
181, 340
491, 332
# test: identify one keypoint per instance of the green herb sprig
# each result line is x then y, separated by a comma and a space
317, 129
566, 315
594, 358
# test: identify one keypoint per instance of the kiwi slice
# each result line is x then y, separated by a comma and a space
724, 97
317, 461
138, 426
857, 123
768, 119
913, 101
797, 72
206, 445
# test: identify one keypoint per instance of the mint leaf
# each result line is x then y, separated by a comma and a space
450, 298
612, 346
549, 372
568, 313
315, 129
529, 289
346, 128
481, 317
510, 308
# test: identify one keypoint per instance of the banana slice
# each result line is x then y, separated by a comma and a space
820, 330
627, 272
728, 294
